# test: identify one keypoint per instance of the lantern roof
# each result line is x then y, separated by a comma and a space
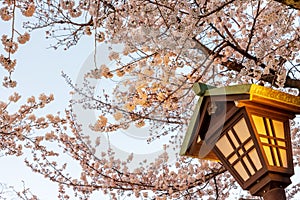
254, 93
239, 96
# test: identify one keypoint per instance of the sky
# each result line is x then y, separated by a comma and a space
38, 71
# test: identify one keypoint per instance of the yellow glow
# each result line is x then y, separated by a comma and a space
259, 124
276, 157
264, 140
272, 141
224, 146
255, 159
279, 129
268, 154
241, 170
283, 157
281, 143
269, 128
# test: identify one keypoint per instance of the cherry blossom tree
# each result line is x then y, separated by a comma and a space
168, 45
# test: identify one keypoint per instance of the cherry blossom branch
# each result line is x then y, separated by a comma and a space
251, 34
232, 65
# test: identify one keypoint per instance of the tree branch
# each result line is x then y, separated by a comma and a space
235, 66
292, 3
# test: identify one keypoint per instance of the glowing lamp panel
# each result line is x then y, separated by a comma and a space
273, 141
238, 149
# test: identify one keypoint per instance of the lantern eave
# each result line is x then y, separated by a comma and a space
246, 127
242, 96
258, 94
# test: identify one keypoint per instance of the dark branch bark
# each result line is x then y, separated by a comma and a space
290, 83
292, 3
235, 66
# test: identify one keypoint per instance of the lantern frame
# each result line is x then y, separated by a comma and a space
266, 175
219, 110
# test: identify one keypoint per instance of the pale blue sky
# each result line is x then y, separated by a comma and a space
39, 71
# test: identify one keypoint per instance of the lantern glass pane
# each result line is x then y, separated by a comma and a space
279, 129
242, 130
248, 145
268, 153
281, 143
241, 151
235, 142
238, 139
269, 128
224, 145
255, 159
276, 156
249, 166
272, 141
233, 158
264, 140
272, 138
259, 124
283, 157
239, 168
